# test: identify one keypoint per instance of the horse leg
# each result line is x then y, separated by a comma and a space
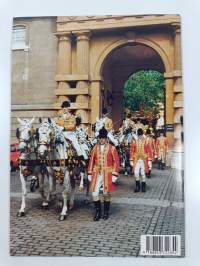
45, 204
21, 212
71, 201
34, 183
72, 194
52, 185
87, 192
41, 178
81, 181
66, 191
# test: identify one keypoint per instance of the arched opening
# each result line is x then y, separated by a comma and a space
118, 66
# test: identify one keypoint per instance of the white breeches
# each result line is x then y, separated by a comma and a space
161, 156
72, 137
99, 186
139, 169
98, 193
150, 165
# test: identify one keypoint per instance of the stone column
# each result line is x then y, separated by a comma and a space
64, 64
95, 101
178, 96
83, 61
169, 108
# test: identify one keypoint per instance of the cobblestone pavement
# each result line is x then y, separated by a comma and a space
158, 211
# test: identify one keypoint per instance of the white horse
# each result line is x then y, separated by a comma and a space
98, 126
44, 137
83, 140
63, 153
127, 134
27, 144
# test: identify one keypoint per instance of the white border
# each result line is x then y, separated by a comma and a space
190, 12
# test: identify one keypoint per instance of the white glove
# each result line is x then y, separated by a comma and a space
90, 178
114, 179
131, 163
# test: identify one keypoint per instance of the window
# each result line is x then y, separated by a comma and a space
19, 37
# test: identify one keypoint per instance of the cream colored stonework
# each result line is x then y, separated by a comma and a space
87, 59
103, 55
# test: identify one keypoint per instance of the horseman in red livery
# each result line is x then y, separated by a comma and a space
139, 153
161, 149
103, 171
151, 153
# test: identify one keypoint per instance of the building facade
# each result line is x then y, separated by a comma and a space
87, 59
34, 53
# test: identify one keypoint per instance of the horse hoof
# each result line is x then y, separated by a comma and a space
62, 218
45, 207
20, 214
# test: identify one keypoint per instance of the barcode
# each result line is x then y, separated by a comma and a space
160, 245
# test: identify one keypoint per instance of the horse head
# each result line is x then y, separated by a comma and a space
99, 124
82, 134
58, 133
44, 137
25, 132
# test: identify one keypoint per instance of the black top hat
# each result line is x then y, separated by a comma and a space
103, 133
78, 120
65, 104
140, 131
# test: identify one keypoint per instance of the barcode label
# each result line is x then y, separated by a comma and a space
160, 245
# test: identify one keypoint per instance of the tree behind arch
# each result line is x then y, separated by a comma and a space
144, 88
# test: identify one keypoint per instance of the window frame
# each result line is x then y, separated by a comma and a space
19, 45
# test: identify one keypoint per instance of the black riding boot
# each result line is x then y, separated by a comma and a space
162, 166
159, 164
149, 174
137, 186
97, 215
143, 189
106, 210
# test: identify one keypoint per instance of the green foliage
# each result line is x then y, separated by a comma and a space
145, 87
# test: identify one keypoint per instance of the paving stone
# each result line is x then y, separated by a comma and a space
158, 211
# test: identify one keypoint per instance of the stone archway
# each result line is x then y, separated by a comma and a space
112, 84
85, 42
131, 39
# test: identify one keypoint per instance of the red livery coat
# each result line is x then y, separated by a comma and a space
152, 148
161, 145
140, 149
106, 163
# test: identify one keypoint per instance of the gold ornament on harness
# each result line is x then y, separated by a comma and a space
59, 176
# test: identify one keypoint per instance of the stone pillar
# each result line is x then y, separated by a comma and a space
95, 101
178, 96
83, 63
64, 63
169, 108
83, 60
